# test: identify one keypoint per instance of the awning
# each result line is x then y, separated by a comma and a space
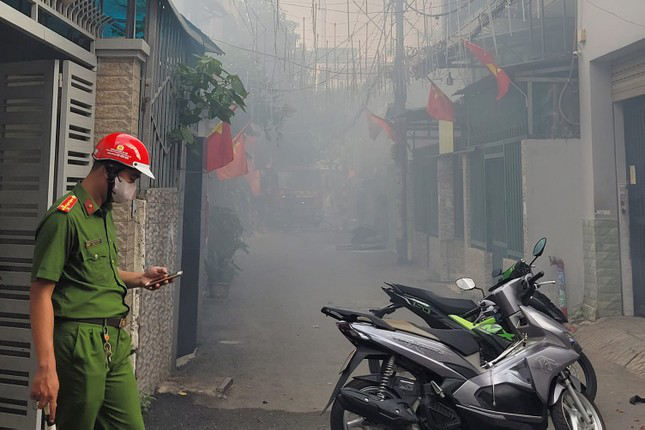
202, 40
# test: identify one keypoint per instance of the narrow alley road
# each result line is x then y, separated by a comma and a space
270, 336
284, 355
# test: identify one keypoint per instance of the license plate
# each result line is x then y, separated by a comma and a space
347, 360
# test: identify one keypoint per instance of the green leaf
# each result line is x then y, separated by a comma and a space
187, 135
238, 86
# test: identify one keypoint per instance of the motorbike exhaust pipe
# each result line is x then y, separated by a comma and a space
392, 413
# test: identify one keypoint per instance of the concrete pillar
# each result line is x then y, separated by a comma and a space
601, 238
118, 85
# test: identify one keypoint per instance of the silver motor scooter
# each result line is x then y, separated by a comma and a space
435, 379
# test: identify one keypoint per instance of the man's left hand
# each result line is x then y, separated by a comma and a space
152, 273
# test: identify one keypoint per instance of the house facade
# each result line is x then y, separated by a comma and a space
558, 156
70, 73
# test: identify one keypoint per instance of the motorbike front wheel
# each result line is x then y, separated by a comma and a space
342, 419
584, 371
566, 415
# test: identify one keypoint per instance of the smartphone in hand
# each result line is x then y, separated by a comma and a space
165, 278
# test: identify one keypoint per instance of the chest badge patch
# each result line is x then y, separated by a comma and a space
91, 243
67, 204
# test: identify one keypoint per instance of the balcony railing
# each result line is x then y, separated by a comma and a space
80, 21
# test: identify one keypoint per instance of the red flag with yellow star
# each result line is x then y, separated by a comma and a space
487, 59
376, 124
439, 105
219, 147
239, 165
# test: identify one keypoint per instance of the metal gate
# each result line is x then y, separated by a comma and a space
496, 208
634, 111
76, 127
496, 201
35, 168
28, 100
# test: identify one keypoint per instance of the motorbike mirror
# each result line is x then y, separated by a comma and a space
538, 249
465, 284
497, 272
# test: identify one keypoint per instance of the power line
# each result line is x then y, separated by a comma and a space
432, 15
279, 58
330, 10
614, 14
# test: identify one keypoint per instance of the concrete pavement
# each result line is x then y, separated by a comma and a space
620, 339
284, 355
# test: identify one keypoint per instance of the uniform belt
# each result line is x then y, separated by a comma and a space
110, 322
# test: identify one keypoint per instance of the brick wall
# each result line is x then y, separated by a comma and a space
147, 236
603, 295
118, 89
156, 315
129, 220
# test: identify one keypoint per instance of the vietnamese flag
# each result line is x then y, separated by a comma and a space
486, 58
376, 124
219, 147
239, 165
439, 106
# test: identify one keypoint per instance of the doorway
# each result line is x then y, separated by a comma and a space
634, 114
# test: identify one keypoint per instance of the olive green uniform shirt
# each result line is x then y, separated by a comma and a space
77, 250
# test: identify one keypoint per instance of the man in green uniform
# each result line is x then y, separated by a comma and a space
77, 300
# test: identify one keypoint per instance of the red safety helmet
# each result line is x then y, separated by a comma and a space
125, 149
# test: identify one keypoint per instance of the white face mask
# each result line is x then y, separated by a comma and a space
123, 191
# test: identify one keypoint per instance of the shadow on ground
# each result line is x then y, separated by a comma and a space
170, 412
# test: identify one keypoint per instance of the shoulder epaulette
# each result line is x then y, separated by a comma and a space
67, 204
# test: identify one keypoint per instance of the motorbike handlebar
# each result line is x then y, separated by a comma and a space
537, 276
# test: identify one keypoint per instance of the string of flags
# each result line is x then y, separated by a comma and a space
226, 155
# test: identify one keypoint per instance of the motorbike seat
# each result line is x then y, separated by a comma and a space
445, 304
462, 341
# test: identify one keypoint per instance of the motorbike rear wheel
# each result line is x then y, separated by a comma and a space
342, 419
566, 416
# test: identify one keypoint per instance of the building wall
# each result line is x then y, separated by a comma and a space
602, 166
554, 208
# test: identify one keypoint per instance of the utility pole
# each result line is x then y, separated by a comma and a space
400, 131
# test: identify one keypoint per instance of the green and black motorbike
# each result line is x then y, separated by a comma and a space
464, 314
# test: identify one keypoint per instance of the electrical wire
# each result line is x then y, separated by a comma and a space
433, 15
277, 57
614, 14
564, 88
334, 73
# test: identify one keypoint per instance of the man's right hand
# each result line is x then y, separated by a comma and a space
44, 386
44, 389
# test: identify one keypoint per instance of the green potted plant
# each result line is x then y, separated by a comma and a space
203, 92
225, 239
